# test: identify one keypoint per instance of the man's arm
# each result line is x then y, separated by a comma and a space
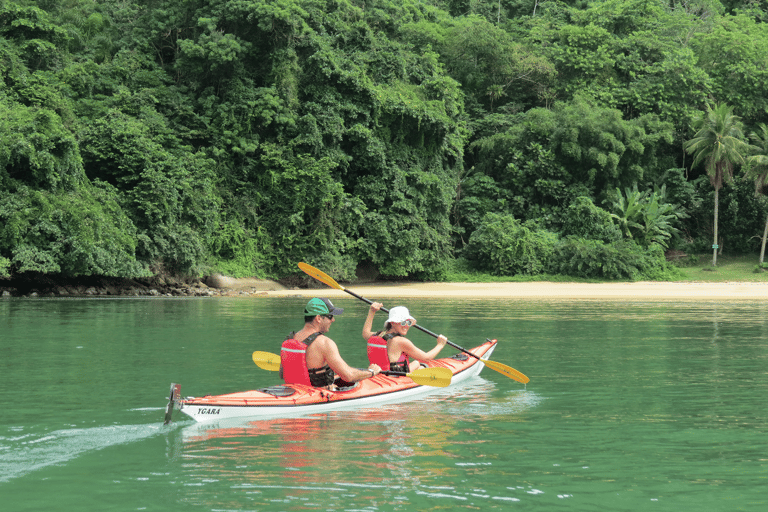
332, 357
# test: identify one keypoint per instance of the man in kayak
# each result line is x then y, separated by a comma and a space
389, 348
312, 358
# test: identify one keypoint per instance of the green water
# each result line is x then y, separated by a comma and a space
632, 406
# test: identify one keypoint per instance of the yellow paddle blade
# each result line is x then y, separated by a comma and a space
506, 370
319, 275
438, 377
267, 361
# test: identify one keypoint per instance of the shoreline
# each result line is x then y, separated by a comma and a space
221, 286
646, 290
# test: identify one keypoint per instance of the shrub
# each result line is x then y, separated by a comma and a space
623, 259
503, 246
584, 219
5, 264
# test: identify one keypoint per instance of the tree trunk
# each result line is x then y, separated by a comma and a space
762, 247
714, 243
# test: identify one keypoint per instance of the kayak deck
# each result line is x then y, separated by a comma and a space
298, 399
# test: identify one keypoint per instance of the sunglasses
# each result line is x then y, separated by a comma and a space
407, 322
329, 317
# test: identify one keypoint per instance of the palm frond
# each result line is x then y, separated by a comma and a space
718, 143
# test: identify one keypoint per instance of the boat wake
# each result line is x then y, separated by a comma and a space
22, 453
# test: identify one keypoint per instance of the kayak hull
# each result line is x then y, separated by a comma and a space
299, 400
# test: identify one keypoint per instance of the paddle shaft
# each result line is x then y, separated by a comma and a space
422, 329
394, 374
390, 373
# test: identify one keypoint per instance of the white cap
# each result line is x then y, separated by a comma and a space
399, 314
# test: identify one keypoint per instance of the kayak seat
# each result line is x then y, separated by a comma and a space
278, 391
342, 385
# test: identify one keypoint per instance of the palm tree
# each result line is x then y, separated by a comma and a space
758, 170
718, 143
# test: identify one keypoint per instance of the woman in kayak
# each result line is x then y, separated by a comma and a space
312, 358
390, 349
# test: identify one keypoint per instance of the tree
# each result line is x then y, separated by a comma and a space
758, 171
734, 54
600, 149
631, 55
73, 233
492, 67
717, 143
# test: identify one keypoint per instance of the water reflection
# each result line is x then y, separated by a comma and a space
388, 456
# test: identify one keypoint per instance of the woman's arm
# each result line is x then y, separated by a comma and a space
407, 347
367, 326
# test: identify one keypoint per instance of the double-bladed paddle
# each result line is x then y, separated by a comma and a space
438, 377
493, 365
267, 361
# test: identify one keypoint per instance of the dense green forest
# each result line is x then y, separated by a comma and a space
580, 138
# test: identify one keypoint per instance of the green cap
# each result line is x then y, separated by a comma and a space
322, 307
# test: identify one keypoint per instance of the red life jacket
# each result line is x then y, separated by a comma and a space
377, 353
293, 362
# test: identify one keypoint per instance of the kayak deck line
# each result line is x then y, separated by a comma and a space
297, 399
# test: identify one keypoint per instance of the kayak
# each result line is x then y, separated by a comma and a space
298, 399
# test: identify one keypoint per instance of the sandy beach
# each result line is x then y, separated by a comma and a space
218, 285
547, 291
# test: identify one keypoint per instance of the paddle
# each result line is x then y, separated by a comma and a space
267, 361
493, 365
437, 377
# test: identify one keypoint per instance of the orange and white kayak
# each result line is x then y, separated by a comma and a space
297, 399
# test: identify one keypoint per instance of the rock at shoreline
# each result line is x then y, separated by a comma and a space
231, 283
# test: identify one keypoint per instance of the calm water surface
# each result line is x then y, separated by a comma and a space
632, 406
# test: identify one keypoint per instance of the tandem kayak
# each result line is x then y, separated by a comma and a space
298, 399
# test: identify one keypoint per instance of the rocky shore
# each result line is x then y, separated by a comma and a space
158, 286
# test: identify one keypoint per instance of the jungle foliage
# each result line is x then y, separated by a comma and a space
243, 136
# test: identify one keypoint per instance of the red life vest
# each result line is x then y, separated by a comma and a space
293, 363
293, 360
377, 352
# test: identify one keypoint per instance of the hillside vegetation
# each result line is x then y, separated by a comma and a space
511, 138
